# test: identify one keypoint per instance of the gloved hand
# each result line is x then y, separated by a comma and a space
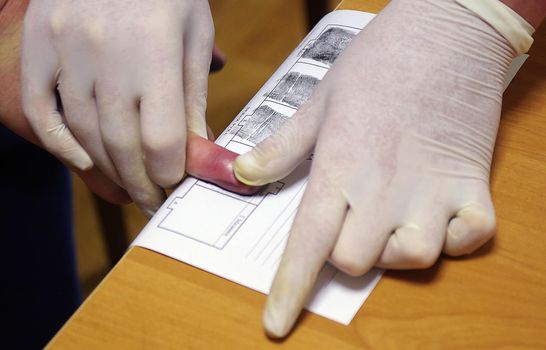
132, 77
11, 114
403, 129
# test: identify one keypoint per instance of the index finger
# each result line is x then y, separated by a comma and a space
313, 236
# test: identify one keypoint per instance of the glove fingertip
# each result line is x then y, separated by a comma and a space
83, 161
273, 326
248, 172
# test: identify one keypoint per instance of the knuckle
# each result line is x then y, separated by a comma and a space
419, 254
57, 22
94, 32
469, 231
472, 226
348, 264
483, 225
164, 145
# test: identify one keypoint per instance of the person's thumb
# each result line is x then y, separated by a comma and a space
282, 152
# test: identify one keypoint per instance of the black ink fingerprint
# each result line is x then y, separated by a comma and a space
264, 122
329, 45
294, 89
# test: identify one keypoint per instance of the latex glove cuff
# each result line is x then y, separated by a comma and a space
506, 21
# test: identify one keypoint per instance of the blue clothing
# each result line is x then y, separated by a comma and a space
36, 222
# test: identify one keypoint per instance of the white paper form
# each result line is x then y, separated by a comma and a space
241, 238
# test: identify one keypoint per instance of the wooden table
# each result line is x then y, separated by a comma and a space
495, 298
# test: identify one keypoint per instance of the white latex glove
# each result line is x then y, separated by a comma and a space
132, 77
403, 128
